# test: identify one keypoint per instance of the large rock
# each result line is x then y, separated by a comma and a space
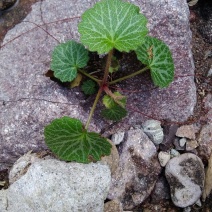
138, 170
30, 100
185, 175
52, 185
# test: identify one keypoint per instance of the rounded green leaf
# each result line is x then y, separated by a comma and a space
156, 55
112, 24
67, 58
115, 113
89, 87
67, 138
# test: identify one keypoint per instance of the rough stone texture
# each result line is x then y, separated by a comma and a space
29, 101
113, 159
191, 145
186, 131
21, 166
154, 131
113, 206
208, 106
161, 190
185, 175
137, 172
205, 141
52, 186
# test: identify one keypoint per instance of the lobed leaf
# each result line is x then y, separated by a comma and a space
67, 139
89, 87
156, 55
115, 113
112, 24
67, 58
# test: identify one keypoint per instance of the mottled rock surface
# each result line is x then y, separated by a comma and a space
138, 170
51, 185
185, 175
29, 101
187, 131
205, 141
113, 206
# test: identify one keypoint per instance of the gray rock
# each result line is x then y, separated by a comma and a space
52, 185
138, 170
205, 141
117, 138
29, 101
174, 153
154, 131
185, 175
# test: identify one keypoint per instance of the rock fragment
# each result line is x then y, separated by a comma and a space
113, 206
154, 131
52, 185
164, 157
187, 131
205, 141
185, 175
138, 170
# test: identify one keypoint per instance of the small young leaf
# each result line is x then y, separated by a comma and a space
108, 101
69, 141
156, 55
115, 113
89, 87
115, 99
112, 24
67, 58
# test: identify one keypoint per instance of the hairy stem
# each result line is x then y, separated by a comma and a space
101, 83
89, 76
93, 107
129, 76
107, 67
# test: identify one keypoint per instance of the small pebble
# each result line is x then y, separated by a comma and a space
174, 153
164, 157
191, 145
154, 131
182, 142
117, 138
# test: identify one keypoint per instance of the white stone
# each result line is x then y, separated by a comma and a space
154, 131
51, 186
164, 157
182, 142
185, 175
117, 138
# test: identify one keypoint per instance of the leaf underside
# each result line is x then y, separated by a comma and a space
156, 55
67, 58
109, 102
112, 24
67, 139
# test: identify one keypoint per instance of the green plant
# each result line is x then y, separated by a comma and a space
109, 25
